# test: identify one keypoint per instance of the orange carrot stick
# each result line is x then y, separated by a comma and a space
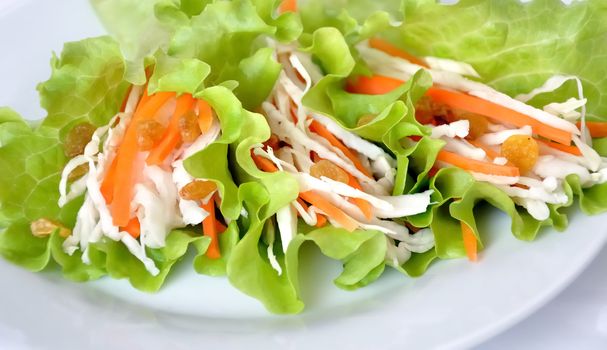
597, 129
205, 116
490, 152
127, 152
563, 148
264, 163
172, 136
320, 129
126, 98
392, 50
498, 113
476, 165
287, 6
320, 219
373, 85
133, 228
470, 244
332, 211
364, 206
209, 229
107, 186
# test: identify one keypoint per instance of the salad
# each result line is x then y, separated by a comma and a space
245, 129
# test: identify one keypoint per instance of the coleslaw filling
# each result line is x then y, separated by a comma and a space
156, 202
543, 185
291, 123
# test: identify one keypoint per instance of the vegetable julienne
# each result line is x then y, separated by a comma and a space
343, 178
524, 151
138, 183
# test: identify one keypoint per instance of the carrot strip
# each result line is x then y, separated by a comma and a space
264, 163
332, 211
205, 116
133, 228
476, 165
123, 189
287, 6
126, 98
597, 129
107, 186
563, 148
392, 50
470, 244
320, 129
498, 113
209, 229
172, 136
320, 219
364, 206
373, 85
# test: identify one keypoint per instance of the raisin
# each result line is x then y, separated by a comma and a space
522, 151
478, 124
197, 189
149, 133
188, 127
45, 227
364, 120
77, 139
273, 142
427, 110
328, 169
78, 172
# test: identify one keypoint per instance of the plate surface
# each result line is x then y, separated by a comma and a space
456, 304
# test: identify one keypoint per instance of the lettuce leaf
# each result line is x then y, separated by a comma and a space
515, 47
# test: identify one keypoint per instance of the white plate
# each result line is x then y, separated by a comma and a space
456, 304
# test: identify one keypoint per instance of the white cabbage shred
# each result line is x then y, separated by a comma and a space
156, 202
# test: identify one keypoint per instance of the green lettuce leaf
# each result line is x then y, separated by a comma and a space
515, 47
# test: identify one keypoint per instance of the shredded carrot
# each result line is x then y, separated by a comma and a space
264, 163
107, 186
209, 229
205, 116
287, 6
470, 244
392, 50
126, 98
597, 129
373, 85
332, 211
364, 206
127, 153
133, 228
498, 113
320, 129
476, 165
563, 148
172, 136
320, 220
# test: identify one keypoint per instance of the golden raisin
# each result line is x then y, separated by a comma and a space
149, 133
273, 142
45, 227
364, 120
522, 151
478, 124
77, 139
426, 110
197, 189
78, 172
188, 127
327, 169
